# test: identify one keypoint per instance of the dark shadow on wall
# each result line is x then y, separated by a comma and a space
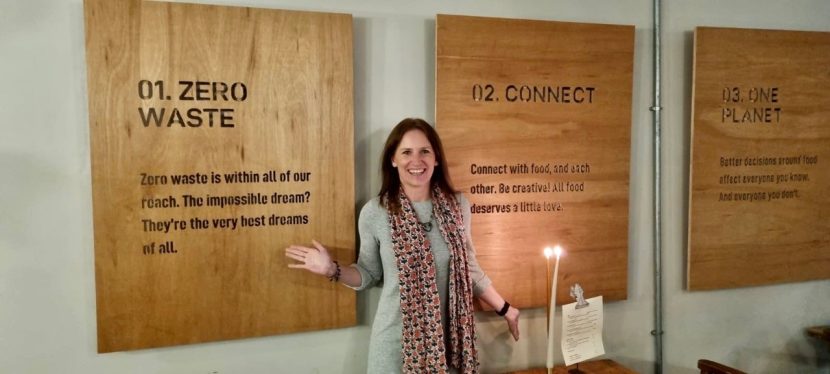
430, 54
688, 64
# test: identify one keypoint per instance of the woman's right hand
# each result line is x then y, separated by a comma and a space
316, 260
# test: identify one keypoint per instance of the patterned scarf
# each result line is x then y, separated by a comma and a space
423, 348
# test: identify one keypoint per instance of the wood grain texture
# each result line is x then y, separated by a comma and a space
759, 184
588, 367
554, 95
294, 115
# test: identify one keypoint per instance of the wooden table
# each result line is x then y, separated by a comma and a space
588, 367
820, 332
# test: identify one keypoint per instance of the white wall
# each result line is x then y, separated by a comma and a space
47, 287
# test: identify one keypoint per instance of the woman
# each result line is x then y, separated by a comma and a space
416, 235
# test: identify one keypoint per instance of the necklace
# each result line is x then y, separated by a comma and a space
427, 226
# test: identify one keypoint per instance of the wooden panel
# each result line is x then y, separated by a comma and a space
536, 118
605, 366
266, 130
759, 182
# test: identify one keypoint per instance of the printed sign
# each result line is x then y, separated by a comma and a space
759, 182
536, 120
217, 135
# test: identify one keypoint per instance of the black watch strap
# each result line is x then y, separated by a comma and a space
504, 309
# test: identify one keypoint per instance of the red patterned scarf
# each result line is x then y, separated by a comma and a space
423, 348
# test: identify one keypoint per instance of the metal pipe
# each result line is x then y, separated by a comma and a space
658, 261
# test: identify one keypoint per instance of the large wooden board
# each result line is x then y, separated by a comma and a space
536, 120
274, 163
760, 183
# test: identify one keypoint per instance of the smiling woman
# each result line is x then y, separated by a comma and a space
424, 321
411, 146
415, 161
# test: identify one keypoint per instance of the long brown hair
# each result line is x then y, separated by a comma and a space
391, 185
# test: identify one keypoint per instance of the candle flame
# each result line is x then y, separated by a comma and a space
548, 252
558, 250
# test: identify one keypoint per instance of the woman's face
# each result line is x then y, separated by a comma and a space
415, 160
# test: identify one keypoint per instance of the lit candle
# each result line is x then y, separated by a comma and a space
558, 251
548, 252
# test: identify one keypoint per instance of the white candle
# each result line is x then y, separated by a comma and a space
558, 251
548, 252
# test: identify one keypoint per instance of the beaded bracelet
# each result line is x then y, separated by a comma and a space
336, 276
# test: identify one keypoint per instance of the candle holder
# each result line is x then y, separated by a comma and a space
575, 370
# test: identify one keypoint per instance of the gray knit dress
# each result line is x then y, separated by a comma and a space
376, 264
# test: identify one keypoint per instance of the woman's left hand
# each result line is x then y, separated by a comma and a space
512, 318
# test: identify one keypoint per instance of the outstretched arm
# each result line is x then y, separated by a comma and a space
483, 289
318, 261
494, 300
